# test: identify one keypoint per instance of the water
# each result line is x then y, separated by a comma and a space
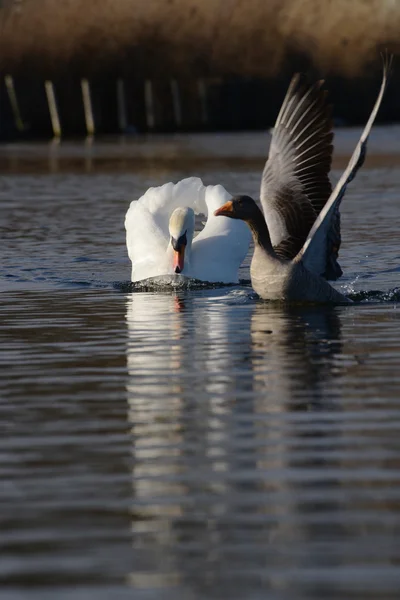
196, 443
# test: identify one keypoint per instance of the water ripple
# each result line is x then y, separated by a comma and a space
195, 442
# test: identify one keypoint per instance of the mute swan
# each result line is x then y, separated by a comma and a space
295, 248
160, 234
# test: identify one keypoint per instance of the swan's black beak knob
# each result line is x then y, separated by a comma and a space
179, 246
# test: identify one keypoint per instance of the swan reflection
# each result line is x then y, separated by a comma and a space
213, 383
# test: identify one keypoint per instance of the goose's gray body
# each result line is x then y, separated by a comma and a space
275, 279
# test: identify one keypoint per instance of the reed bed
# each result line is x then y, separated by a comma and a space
152, 38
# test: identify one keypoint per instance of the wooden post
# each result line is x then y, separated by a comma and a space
87, 107
53, 109
176, 102
202, 91
121, 105
88, 154
54, 155
9, 81
149, 103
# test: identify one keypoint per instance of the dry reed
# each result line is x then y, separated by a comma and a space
199, 37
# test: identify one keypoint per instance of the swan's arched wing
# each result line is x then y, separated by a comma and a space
221, 247
146, 241
295, 183
314, 251
147, 220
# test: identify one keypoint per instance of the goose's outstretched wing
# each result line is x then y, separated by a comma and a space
313, 253
295, 183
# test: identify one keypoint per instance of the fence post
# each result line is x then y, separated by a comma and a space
176, 102
53, 109
87, 107
149, 103
12, 95
121, 105
202, 92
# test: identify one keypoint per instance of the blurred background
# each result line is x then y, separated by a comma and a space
189, 65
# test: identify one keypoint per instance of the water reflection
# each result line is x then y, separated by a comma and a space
179, 393
295, 353
260, 460
214, 383
296, 358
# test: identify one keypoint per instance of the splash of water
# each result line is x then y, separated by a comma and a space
376, 296
176, 283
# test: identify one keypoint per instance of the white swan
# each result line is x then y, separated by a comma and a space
160, 230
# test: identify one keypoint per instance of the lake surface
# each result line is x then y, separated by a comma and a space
194, 444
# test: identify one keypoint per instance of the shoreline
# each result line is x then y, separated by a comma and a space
196, 152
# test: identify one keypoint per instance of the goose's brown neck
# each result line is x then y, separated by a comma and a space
259, 230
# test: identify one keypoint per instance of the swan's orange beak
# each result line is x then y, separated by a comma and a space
179, 259
179, 246
226, 210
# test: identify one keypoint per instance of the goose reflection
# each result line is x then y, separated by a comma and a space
212, 386
296, 351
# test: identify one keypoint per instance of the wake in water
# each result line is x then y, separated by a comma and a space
176, 283
376, 296
363, 296
168, 283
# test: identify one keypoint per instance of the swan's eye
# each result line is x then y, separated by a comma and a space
181, 241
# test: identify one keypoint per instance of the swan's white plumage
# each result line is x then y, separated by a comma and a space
217, 251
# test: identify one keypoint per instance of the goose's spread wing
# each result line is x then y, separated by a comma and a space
314, 249
220, 248
147, 220
295, 183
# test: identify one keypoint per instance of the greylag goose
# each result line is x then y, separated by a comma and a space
297, 238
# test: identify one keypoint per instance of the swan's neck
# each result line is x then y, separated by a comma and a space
188, 249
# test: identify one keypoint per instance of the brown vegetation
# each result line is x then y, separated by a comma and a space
199, 37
